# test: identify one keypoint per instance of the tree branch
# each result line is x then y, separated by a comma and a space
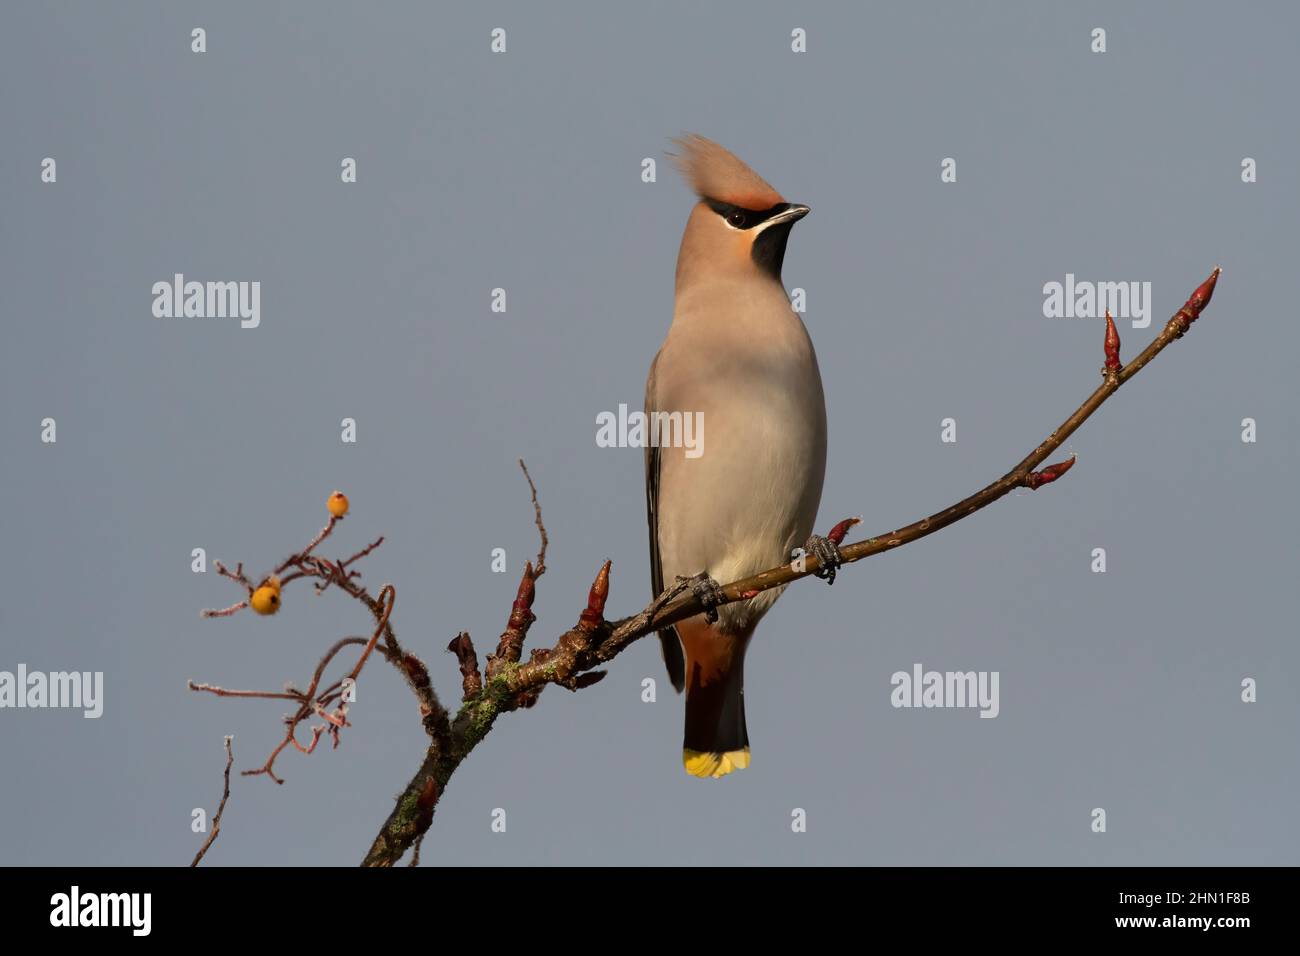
509, 683
593, 641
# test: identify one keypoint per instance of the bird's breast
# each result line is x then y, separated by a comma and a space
747, 367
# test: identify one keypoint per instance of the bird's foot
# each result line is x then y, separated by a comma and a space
709, 593
828, 556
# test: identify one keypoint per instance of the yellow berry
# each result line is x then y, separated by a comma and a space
338, 504
266, 599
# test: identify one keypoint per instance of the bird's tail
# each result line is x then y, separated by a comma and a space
716, 741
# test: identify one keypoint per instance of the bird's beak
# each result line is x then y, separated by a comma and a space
791, 213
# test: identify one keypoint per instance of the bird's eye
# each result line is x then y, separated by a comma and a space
737, 219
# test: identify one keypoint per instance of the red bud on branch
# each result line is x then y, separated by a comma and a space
838, 532
1049, 474
511, 645
1191, 309
594, 616
1112, 344
521, 613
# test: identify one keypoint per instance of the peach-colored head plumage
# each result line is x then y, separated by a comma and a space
717, 173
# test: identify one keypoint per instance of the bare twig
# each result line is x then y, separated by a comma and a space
221, 808
236, 575
223, 692
309, 702
224, 611
312, 544
539, 566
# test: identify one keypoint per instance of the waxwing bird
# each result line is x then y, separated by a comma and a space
737, 354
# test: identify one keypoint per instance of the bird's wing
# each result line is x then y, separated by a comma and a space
668, 640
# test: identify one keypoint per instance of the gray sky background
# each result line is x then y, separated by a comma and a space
1118, 690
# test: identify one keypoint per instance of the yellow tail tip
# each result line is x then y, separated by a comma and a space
699, 763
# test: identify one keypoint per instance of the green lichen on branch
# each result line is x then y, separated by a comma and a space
477, 716
510, 686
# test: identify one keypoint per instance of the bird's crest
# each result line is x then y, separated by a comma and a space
717, 173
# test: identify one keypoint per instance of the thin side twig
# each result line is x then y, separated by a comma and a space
539, 566
221, 807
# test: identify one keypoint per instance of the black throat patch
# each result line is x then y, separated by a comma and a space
769, 248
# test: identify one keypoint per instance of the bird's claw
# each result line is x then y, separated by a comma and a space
828, 556
708, 592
